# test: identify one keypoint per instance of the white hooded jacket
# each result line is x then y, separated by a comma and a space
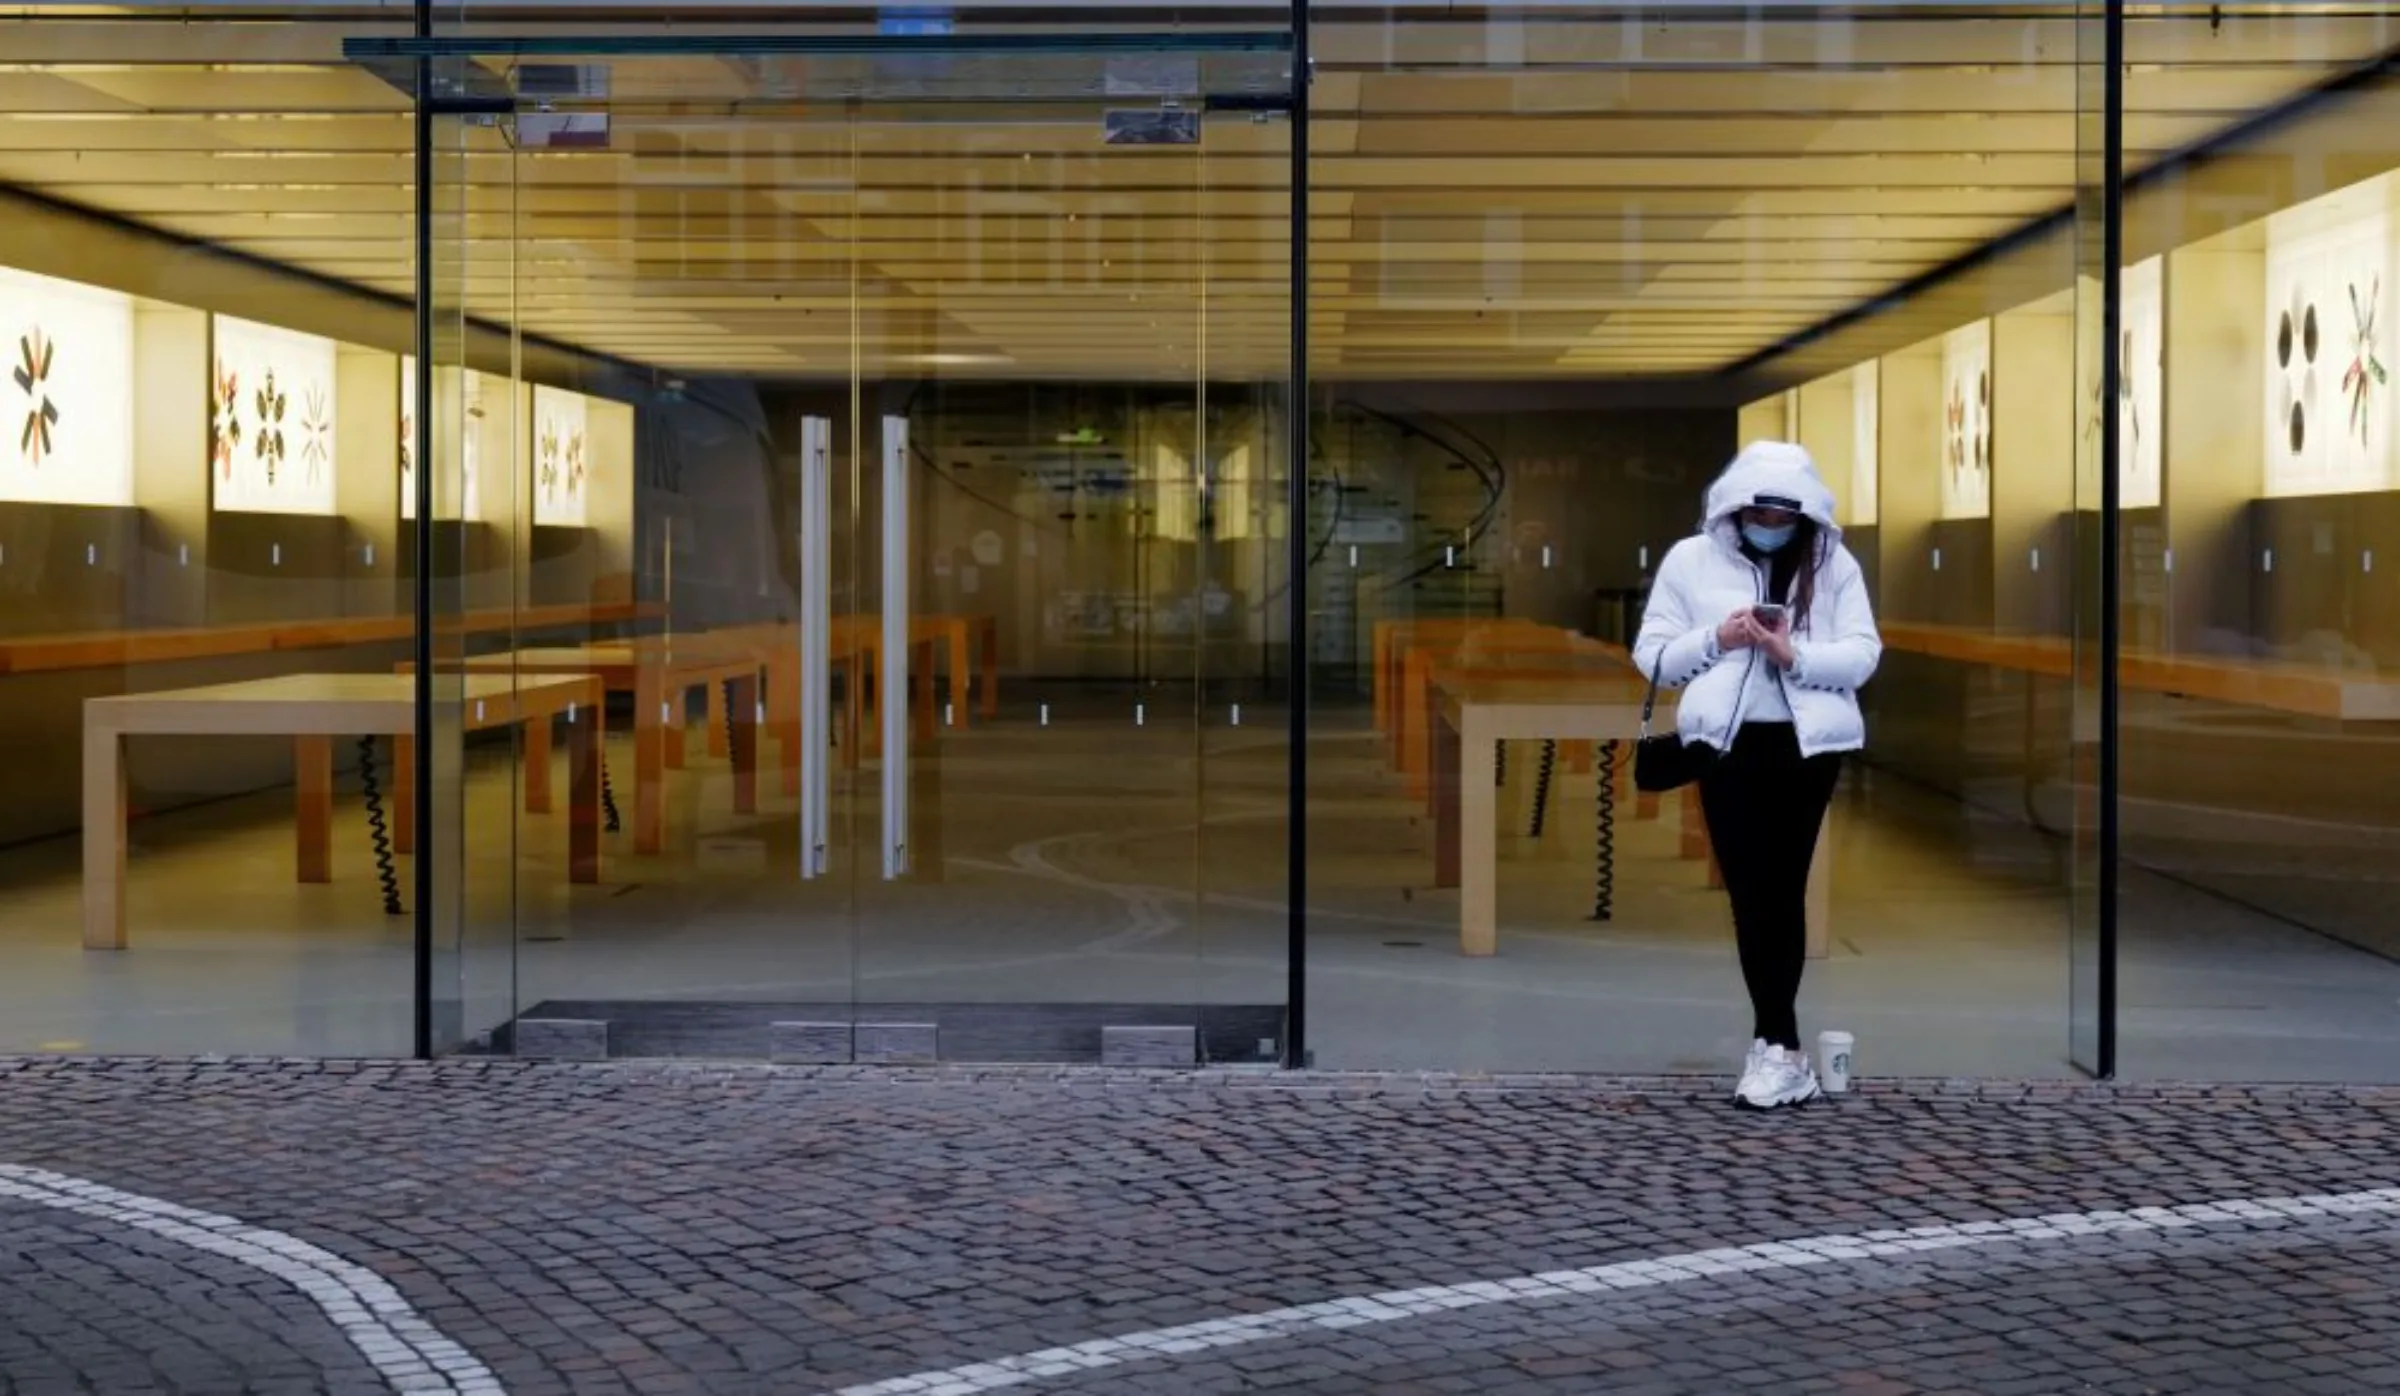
1707, 577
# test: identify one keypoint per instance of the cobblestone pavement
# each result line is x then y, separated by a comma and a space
661, 1229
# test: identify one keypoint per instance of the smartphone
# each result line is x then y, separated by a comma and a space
1769, 616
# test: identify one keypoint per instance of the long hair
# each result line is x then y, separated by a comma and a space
1817, 551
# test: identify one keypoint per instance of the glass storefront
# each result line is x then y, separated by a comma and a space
983, 534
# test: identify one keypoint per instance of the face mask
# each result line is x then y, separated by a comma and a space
1766, 539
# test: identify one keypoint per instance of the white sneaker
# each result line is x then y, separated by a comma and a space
1758, 1053
1783, 1078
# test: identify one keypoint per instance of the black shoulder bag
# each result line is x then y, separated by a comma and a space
1666, 762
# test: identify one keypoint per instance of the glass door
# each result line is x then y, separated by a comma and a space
874, 407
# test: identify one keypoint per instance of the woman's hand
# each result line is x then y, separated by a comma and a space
1739, 632
1775, 641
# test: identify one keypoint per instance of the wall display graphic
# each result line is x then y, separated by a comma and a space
1967, 422
471, 451
68, 428
561, 457
2141, 385
1866, 420
408, 437
271, 419
2329, 316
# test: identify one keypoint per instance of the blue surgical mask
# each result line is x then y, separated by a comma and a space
1766, 539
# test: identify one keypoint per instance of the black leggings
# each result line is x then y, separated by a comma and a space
1764, 804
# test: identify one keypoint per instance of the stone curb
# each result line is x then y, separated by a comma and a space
1311, 1083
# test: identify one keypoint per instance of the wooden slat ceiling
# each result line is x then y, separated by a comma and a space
1599, 193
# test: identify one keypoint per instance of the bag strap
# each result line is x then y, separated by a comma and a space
1650, 699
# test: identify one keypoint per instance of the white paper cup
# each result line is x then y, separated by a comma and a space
1833, 1061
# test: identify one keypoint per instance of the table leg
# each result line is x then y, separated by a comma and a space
744, 739
961, 678
537, 765
585, 732
404, 794
1446, 782
103, 838
926, 861
718, 739
675, 741
1417, 729
867, 725
312, 785
1378, 687
1479, 851
921, 689
853, 696
650, 742
783, 691
1694, 833
991, 668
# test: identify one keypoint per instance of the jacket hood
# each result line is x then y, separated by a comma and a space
1770, 472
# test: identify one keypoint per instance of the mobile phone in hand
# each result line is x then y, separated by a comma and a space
1770, 616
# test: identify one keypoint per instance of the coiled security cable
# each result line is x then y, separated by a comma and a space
379, 832
1604, 872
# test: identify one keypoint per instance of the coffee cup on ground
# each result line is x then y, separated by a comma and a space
1834, 1050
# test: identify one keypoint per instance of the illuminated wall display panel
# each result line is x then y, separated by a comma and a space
471, 455
271, 400
1178, 517
1234, 511
562, 458
1865, 422
1836, 421
68, 426
2328, 320
408, 437
2141, 383
1774, 418
1967, 422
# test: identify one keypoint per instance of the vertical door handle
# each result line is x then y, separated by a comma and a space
816, 640
893, 697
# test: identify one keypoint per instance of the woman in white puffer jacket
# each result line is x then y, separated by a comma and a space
1762, 620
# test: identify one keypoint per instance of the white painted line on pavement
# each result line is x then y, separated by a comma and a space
410, 1353
1356, 1312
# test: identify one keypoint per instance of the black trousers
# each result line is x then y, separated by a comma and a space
1764, 804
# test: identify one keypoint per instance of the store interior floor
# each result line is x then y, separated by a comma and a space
1069, 856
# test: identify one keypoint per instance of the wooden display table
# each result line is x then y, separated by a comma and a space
660, 674
972, 650
855, 646
313, 709
1475, 714
1545, 654
2278, 686
862, 637
1393, 638
114, 649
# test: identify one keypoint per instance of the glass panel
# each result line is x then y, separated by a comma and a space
924, 460
168, 276
2260, 271
1068, 295
1582, 258
676, 253
2111, 426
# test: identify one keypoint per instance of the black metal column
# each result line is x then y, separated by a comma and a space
1295, 591
421, 546
2112, 257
